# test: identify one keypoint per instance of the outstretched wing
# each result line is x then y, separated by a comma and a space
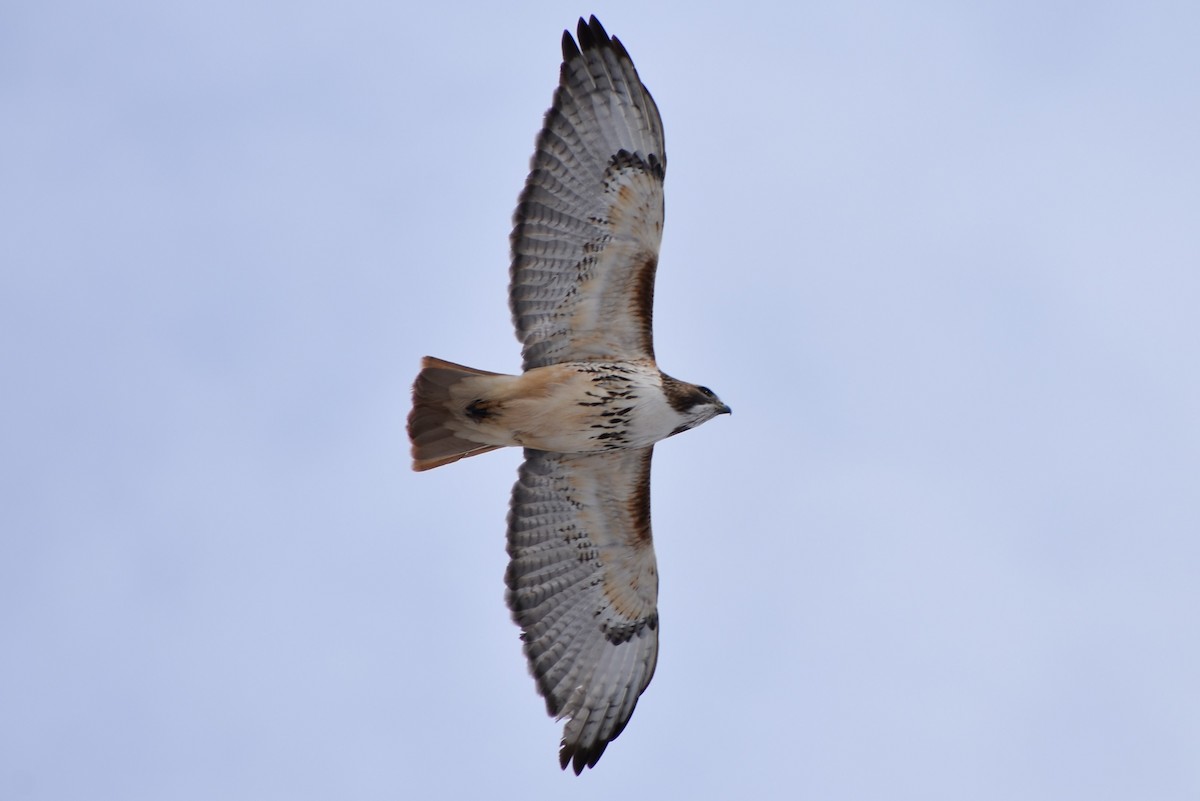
587, 228
583, 586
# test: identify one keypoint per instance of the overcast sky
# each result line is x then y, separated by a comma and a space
943, 260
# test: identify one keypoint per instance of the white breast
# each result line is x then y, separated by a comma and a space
587, 406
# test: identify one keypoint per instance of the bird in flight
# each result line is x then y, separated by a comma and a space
590, 402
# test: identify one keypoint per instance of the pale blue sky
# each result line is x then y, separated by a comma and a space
942, 258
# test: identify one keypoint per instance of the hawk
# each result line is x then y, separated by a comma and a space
591, 402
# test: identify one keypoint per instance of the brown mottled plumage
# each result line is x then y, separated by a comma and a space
590, 404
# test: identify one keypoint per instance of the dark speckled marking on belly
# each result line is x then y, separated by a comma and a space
614, 392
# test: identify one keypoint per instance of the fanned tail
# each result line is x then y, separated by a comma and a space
435, 439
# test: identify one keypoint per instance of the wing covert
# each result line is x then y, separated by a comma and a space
588, 224
583, 587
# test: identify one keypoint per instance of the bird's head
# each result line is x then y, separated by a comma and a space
696, 404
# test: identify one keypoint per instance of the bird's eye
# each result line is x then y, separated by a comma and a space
706, 392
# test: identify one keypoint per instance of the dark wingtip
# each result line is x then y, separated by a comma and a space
569, 48
580, 758
597, 29
591, 35
584, 34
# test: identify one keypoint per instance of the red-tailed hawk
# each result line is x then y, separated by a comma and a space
590, 404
